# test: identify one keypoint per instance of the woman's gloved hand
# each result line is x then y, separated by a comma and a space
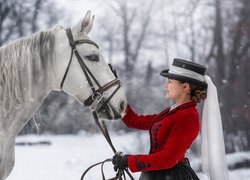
120, 161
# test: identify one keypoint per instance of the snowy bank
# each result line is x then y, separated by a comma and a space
68, 156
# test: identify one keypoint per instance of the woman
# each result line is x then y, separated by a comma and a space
173, 130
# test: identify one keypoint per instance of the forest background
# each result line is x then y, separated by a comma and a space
140, 39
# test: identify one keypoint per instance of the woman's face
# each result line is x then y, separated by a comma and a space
174, 89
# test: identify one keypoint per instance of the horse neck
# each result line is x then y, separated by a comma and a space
62, 53
29, 77
18, 116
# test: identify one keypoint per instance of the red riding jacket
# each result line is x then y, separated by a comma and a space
171, 134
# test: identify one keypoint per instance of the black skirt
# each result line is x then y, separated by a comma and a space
181, 171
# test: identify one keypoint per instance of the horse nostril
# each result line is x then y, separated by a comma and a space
122, 106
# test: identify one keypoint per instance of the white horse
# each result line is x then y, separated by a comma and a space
31, 67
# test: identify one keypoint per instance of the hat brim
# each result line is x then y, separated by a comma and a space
165, 73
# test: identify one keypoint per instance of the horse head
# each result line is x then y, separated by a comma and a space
58, 59
81, 71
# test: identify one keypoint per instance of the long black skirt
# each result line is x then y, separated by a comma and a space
181, 171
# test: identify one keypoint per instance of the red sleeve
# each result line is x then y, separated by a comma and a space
181, 137
136, 121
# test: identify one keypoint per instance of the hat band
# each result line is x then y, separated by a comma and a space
187, 73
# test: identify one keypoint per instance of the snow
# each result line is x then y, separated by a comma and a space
66, 158
237, 158
69, 155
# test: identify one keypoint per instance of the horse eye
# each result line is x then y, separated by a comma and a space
93, 57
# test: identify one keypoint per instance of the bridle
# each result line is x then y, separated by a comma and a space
96, 100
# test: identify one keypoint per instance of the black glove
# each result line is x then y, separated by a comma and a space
120, 162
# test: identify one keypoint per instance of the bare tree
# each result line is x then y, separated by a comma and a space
217, 48
231, 74
5, 14
237, 81
134, 25
22, 17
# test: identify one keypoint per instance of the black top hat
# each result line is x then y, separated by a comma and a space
186, 71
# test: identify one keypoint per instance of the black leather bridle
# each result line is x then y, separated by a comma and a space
95, 101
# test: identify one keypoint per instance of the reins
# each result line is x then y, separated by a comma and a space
120, 175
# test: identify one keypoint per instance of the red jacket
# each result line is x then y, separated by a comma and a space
171, 134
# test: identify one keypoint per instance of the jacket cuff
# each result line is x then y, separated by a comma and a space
136, 165
127, 112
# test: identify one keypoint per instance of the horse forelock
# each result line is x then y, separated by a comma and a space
24, 66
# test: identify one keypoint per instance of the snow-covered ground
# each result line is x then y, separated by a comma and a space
69, 155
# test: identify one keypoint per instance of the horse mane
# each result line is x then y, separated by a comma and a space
24, 65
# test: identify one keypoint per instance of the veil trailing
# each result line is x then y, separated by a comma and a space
212, 146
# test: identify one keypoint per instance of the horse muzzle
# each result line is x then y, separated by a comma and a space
107, 111
102, 106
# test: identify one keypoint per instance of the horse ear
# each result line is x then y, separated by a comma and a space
85, 25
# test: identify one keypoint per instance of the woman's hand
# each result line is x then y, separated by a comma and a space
120, 161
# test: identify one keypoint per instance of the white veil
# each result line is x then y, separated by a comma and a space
212, 146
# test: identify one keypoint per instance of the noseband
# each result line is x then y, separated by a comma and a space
96, 100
